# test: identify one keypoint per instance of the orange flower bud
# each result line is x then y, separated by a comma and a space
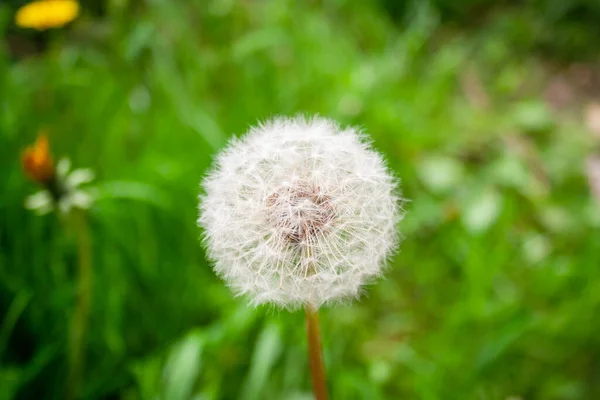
37, 161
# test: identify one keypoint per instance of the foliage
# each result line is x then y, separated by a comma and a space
565, 30
494, 293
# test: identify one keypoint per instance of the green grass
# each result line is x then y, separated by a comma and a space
494, 294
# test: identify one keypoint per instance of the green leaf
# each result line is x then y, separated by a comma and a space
481, 209
183, 367
441, 174
266, 351
532, 116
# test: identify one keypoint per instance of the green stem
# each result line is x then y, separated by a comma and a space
315, 355
79, 320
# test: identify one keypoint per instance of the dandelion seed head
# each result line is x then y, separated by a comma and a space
299, 211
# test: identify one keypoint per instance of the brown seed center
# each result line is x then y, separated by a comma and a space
300, 212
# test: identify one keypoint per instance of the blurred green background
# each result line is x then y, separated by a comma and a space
487, 111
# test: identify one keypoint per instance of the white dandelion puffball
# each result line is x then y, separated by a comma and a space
299, 212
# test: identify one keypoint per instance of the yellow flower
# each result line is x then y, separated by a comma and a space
45, 14
37, 160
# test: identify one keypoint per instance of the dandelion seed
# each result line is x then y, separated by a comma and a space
299, 212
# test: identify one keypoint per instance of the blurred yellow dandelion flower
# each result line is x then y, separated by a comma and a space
45, 14
37, 160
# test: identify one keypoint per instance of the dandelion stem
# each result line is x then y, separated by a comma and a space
315, 354
79, 320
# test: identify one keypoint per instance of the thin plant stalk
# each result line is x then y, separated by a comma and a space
80, 317
315, 354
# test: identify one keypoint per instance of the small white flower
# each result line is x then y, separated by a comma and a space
70, 196
299, 212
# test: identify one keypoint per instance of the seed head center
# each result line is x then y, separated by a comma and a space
300, 212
